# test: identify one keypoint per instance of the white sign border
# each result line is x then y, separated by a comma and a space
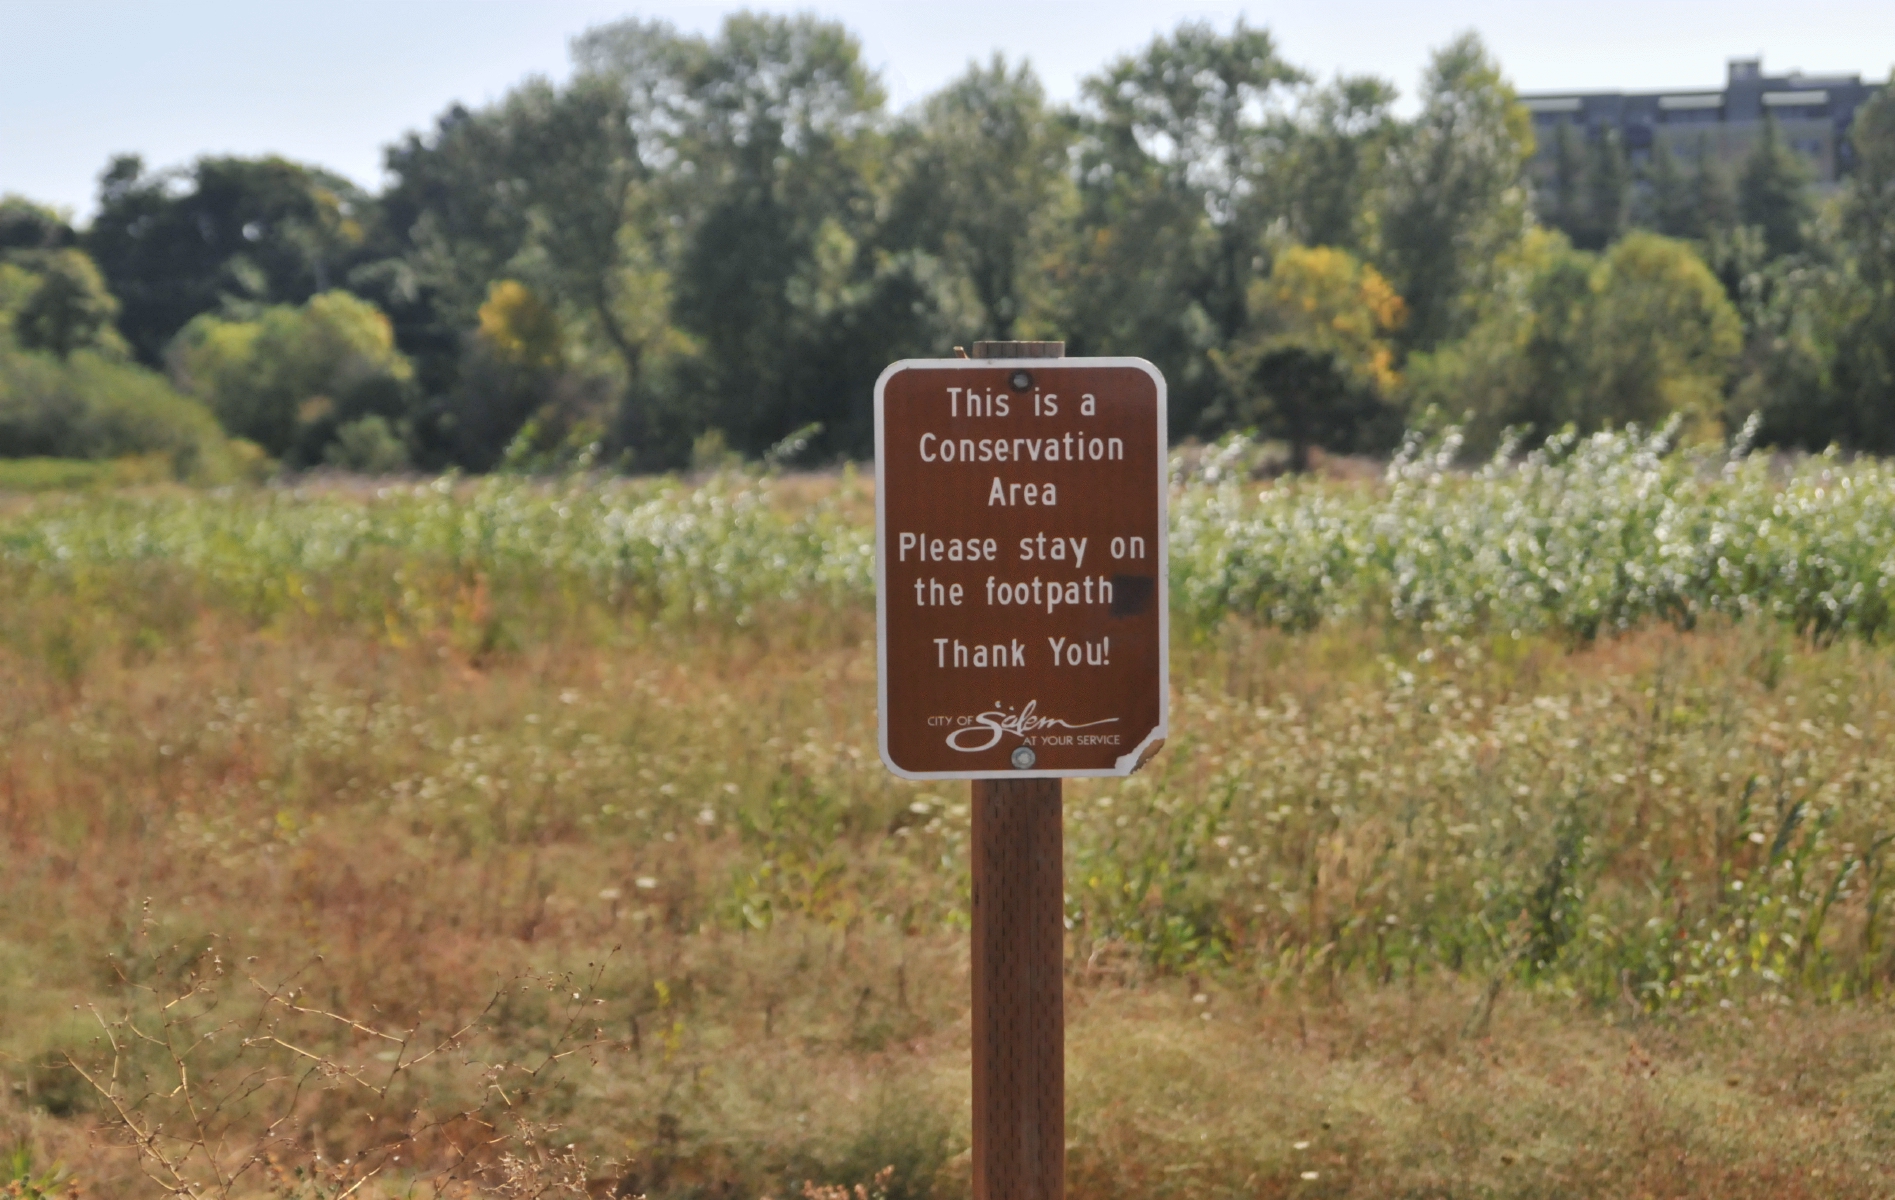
1126, 763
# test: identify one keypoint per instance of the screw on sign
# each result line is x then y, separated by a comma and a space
1021, 639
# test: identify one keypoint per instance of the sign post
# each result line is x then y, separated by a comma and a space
1021, 639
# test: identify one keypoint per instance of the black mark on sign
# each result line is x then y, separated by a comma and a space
1131, 594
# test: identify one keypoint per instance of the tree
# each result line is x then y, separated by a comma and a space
1173, 155
1713, 194
1868, 210
1608, 192
1333, 171
778, 117
1316, 365
68, 307
1640, 334
1773, 193
95, 406
1669, 207
1457, 193
554, 190
1824, 343
521, 327
26, 226
581, 180
1590, 196
519, 391
1561, 205
1663, 338
978, 172
66, 387
1814, 372
291, 378
698, 214
226, 231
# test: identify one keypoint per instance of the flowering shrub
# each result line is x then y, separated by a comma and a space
1581, 537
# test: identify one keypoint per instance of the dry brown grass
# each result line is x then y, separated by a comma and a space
655, 898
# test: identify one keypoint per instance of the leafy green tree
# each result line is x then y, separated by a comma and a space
697, 215
1868, 211
1177, 142
1773, 193
226, 231
1608, 192
1807, 359
520, 394
17, 285
369, 445
68, 307
26, 226
1332, 175
979, 172
1561, 204
1640, 334
1823, 343
544, 186
552, 188
1316, 365
289, 379
1663, 338
1457, 193
448, 226
1589, 199
1714, 194
779, 121
93, 405
1523, 362
1669, 207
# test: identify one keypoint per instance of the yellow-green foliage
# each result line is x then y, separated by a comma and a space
67, 307
82, 474
521, 328
96, 407
290, 378
1666, 337
1642, 334
1322, 300
66, 387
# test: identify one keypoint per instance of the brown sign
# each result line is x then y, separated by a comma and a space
1020, 566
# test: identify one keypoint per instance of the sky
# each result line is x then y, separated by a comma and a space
332, 83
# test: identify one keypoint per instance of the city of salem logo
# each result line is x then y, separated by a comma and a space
984, 731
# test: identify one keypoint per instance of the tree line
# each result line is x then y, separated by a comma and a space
704, 245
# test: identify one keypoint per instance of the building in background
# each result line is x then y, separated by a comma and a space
1812, 112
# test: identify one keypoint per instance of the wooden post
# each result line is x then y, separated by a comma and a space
1019, 934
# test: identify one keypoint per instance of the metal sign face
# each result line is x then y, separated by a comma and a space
1020, 584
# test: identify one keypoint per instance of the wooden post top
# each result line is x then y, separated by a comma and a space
1019, 349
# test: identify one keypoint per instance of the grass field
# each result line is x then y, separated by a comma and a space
496, 838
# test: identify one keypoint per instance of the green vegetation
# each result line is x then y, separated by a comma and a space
67, 389
1464, 870
81, 474
1582, 537
91, 406
1525, 830
730, 233
295, 378
1568, 339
